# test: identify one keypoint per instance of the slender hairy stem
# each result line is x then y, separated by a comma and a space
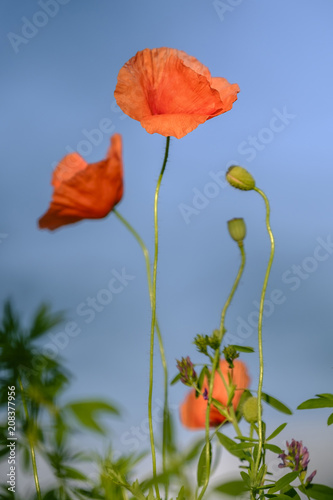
215, 367
261, 310
31, 446
159, 335
234, 287
153, 318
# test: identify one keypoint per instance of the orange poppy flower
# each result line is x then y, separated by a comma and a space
193, 410
170, 92
85, 190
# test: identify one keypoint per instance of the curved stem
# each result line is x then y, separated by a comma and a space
159, 335
261, 310
153, 318
32, 450
234, 287
215, 367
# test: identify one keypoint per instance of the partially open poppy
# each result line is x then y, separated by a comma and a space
85, 190
170, 92
193, 410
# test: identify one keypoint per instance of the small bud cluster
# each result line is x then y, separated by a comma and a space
186, 369
297, 459
230, 354
202, 342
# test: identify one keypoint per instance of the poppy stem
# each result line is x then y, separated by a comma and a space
261, 309
153, 319
31, 446
215, 367
159, 335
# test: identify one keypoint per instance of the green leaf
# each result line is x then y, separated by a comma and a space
276, 432
242, 348
284, 481
330, 419
316, 403
44, 320
72, 473
243, 446
136, 491
275, 403
175, 379
181, 495
193, 451
151, 495
273, 448
282, 496
232, 488
317, 491
84, 412
326, 395
291, 493
204, 372
229, 445
203, 467
246, 479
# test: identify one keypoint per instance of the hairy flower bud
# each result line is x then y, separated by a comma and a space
240, 178
250, 410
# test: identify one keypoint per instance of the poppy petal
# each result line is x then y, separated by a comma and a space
90, 193
193, 410
167, 85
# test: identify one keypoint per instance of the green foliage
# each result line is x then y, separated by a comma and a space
284, 481
85, 413
204, 465
317, 491
276, 432
232, 488
242, 348
275, 403
322, 401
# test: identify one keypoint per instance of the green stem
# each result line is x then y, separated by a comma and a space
159, 335
215, 367
231, 409
153, 318
31, 446
234, 287
261, 310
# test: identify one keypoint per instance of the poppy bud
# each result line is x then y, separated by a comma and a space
250, 410
237, 229
240, 178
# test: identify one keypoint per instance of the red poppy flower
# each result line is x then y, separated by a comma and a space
193, 410
85, 190
170, 92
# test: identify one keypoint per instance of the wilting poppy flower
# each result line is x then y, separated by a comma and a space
193, 410
85, 190
170, 92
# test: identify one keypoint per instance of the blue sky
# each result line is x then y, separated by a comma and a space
59, 68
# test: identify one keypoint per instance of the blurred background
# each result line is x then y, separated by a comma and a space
58, 73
